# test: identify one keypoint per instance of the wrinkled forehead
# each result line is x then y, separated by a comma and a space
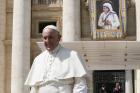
49, 32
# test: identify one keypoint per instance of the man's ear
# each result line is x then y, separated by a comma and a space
59, 37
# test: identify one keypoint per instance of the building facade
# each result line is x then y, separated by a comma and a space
21, 26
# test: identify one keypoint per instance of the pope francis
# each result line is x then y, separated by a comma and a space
57, 69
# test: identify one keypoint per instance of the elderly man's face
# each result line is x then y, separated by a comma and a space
51, 39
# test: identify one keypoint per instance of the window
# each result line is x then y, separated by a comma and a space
38, 23
42, 24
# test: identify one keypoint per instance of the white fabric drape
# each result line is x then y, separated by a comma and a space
64, 67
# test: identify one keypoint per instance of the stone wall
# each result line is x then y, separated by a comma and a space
2, 47
8, 68
8, 45
85, 21
131, 18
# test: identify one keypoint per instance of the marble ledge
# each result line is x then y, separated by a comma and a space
9, 42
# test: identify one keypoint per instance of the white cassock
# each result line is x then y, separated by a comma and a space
61, 71
112, 17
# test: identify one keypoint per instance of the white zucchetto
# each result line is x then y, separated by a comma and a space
51, 27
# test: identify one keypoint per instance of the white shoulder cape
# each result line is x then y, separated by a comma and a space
71, 65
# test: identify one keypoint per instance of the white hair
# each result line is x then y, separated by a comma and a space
51, 27
108, 5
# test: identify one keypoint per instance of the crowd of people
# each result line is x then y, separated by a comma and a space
116, 89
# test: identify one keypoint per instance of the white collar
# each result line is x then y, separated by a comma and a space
55, 50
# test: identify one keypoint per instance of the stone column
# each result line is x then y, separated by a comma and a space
137, 81
71, 20
20, 45
137, 72
138, 19
128, 82
90, 81
2, 47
